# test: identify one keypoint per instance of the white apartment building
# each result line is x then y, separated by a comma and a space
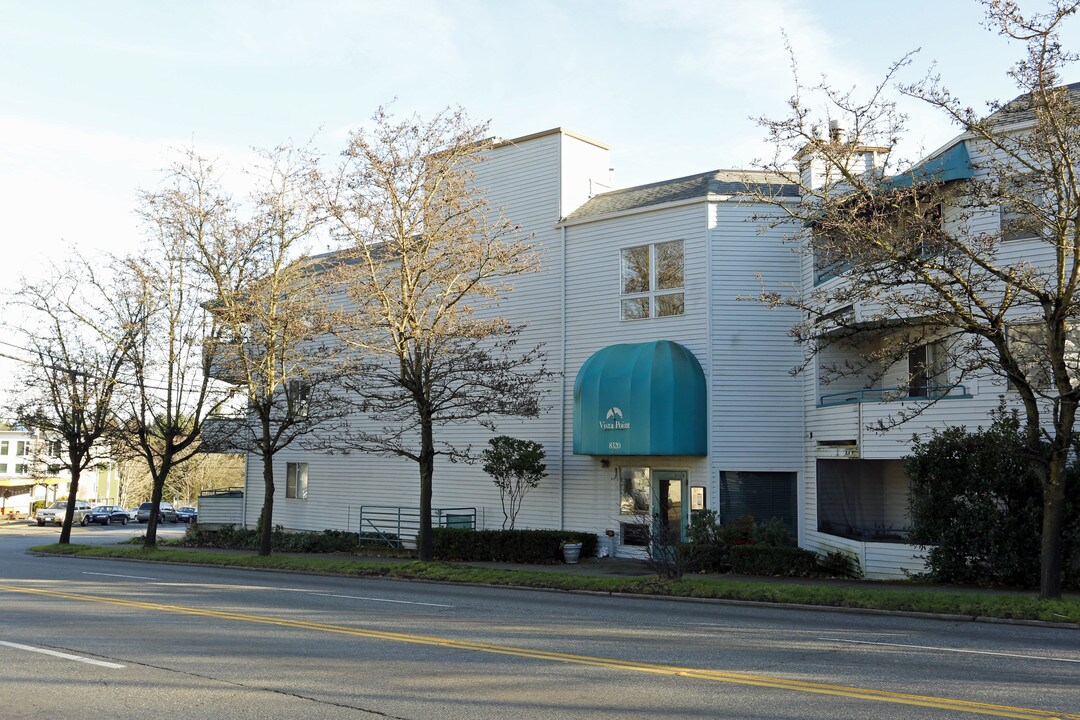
674, 393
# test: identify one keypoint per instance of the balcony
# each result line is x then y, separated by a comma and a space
892, 394
866, 422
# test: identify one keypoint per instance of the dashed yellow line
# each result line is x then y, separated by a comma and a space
625, 665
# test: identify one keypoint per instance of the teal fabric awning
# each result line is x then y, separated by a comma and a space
641, 399
952, 164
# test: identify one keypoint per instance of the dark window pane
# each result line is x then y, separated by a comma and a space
762, 495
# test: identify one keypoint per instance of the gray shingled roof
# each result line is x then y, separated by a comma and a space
715, 182
1019, 109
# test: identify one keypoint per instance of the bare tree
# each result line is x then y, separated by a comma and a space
270, 303
78, 331
426, 264
926, 261
172, 394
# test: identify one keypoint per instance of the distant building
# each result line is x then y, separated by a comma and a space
30, 470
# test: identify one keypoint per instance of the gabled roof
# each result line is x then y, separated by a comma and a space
691, 187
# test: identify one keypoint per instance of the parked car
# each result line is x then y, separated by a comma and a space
133, 513
55, 513
108, 514
165, 512
188, 514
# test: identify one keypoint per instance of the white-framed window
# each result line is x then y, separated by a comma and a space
1029, 346
928, 370
3, 467
635, 505
20, 447
652, 280
299, 398
1017, 225
296, 475
55, 448
4, 447
21, 469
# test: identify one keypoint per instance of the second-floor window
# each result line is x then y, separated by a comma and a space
299, 398
21, 469
4, 447
652, 280
1029, 343
20, 447
1017, 225
927, 370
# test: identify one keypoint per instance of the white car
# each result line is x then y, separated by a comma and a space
55, 513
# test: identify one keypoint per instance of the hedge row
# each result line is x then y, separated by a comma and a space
516, 546
773, 560
234, 538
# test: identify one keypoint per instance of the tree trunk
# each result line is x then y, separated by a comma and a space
424, 543
1053, 520
267, 514
156, 492
69, 513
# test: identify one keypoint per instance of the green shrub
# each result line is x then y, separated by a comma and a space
976, 506
705, 557
838, 563
231, 537
773, 560
516, 546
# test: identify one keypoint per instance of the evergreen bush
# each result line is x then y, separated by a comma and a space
515, 546
231, 537
976, 506
779, 560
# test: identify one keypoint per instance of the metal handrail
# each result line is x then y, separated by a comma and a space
894, 394
396, 525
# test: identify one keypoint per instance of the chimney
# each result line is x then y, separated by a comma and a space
836, 133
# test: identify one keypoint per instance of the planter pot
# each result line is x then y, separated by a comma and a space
571, 552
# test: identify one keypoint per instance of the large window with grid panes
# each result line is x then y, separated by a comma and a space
652, 280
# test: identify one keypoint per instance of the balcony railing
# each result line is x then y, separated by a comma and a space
895, 394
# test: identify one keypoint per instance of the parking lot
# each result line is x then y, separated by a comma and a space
93, 533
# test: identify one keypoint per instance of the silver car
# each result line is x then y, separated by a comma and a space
165, 512
55, 513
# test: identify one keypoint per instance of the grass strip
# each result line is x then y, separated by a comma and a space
970, 604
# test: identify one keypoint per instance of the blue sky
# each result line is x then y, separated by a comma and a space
95, 93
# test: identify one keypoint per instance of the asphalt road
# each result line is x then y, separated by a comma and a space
140, 640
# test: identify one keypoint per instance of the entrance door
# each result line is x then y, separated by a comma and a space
669, 507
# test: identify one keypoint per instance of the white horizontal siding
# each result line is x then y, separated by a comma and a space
593, 294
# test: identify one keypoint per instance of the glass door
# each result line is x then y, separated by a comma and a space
669, 507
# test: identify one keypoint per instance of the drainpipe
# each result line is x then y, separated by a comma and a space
562, 388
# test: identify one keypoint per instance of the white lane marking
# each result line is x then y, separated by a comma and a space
371, 599
955, 650
65, 656
133, 577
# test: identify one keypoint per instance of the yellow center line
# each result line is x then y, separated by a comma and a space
625, 665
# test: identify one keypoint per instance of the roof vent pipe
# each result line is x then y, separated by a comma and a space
836, 133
